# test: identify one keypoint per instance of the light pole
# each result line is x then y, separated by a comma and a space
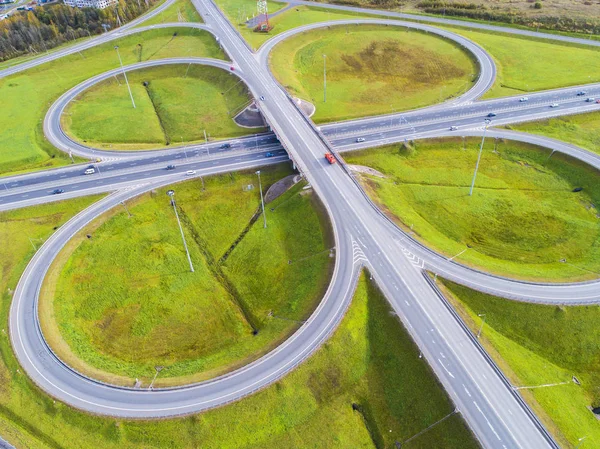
580, 441
487, 122
481, 315
262, 201
324, 78
125, 76
171, 194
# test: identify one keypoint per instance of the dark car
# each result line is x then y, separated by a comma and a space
57, 191
170, 167
492, 114
581, 93
269, 154
226, 145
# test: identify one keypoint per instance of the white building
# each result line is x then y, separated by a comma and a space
101, 4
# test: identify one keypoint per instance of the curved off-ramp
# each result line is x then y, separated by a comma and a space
575, 293
52, 121
57, 137
487, 66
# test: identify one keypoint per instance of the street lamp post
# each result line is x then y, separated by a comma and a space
481, 315
262, 201
487, 122
171, 194
125, 76
580, 441
324, 78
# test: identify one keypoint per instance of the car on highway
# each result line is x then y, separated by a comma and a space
330, 158
597, 101
262, 98
269, 154
581, 93
190, 172
58, 191
170, 167
523, 99
492, 114
453, 128
554, 105
360, 139
90, 170
590, 99
225, 145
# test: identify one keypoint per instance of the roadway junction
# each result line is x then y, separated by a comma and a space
364, 237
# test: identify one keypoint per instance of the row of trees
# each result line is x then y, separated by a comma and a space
49, 26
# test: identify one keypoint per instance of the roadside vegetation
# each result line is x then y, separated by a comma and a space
582, 130
22, 144
54, 24
542, 345
371, 70
522, 219
179, 11
561, 16
174, 104
549, 64
123, 302
311, 407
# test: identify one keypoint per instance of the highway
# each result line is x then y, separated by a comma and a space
364, 237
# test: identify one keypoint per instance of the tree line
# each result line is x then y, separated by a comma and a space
49, 26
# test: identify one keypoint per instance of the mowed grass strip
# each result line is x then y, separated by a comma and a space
174, 104
528, 64
22, 144
124, 301
371, 70
536, 345
582, 130
522, 219
369, 361
179, 11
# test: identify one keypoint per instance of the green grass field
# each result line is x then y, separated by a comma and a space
582, 130
180, 11
537, 345
371, 70
177, 105
239, 10
527, 65
141, 306
22, 144
521, 220
311, 407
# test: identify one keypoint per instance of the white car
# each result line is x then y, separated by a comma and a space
360, 139
190, 172
523, 99
554, 105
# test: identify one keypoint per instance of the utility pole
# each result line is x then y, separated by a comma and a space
125, 76
262, 201
324, 78
171, 194
487, 122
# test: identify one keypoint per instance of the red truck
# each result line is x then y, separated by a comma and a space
330, 158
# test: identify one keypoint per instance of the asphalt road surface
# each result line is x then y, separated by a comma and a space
364, 237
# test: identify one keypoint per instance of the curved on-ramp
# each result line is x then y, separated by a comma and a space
57, 137
576, 293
